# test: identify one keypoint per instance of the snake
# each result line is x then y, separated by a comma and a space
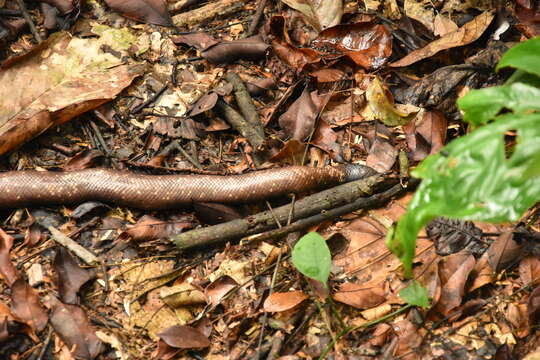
29, 188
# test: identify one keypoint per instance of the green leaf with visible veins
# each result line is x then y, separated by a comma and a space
415, 294
311, 256
524, 56
475, 179
483, 105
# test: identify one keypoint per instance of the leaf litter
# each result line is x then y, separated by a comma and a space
332, 82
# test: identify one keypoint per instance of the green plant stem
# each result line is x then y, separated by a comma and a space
368, 324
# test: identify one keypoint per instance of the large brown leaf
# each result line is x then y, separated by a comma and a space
299, 120
147, 11
282, 301
7, 270
72, 324
60, 79
70, 276
26, 306
184, 337
368, 45
360, 296
462, 36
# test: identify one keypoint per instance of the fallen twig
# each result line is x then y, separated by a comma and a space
72, 245
240, 124
361, 203
256, 18
245, 102
31, 25
308, 206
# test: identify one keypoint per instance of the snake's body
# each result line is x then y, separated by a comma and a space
32, 188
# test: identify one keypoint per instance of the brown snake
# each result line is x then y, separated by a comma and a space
31, 188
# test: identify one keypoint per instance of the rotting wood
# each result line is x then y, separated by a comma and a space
207, 12
308, 206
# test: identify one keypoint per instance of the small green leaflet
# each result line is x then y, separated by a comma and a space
415, 294
481, 106
311, 256
475, 179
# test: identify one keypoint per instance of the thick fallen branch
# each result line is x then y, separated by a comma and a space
208, 11
308, 206
373, 201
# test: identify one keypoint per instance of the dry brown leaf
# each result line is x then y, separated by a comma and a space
382, 154
503, 252
409, 339
443, 25
7, 270
298, 121
73, 326
462, 36
84, 160
219, 288
426, 134
183, 294
26, 306
454, 272
360, 296
147, 11
368, 45
529, 271
150, 228
421, 11
278, 302
70, 276
179, 337
482, 273
533, 307
321, 14
327, 139
62, 78
199, 40
292, 153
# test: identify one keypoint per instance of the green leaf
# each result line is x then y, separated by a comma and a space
475, 179
415, 294
311, 256
483, 105
524, 56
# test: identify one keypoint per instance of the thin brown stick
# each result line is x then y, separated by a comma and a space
256, 18
29, 21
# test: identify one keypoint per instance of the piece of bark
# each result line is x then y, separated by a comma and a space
308, 206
